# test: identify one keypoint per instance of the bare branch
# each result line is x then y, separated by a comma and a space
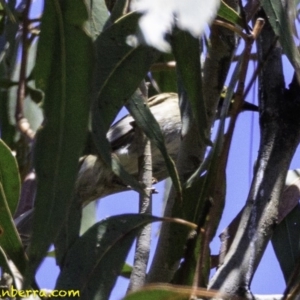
143, 243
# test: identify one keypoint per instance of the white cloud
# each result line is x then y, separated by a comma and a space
160, 16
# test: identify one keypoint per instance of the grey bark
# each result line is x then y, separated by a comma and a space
280, 136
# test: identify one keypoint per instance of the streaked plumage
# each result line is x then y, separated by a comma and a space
95, 180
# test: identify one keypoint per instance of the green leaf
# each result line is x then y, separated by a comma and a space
186, 50
10, 241
147, 122
98, 16
120, 69
279, 20
69, 231
8, 11
169, 292
9, 177
291, 194
97, 258
155, 294
286, 243
126, 271
88, 216
63, 71
165, 77
230, 15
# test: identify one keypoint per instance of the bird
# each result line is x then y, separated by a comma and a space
96, 180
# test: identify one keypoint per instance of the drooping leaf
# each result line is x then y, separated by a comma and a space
286, 243
10, 241
230, 15
9, 177
120, 69
147, 122
69, 231
286, 237
88, 217
63, 71
8, 11
98, 15
291, 194
96, 259
186, 50
169, 292
279, 20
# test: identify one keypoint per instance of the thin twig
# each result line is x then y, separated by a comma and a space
22, 123
164, 66
259, 68
232, 28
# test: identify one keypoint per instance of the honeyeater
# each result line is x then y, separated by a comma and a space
96, 180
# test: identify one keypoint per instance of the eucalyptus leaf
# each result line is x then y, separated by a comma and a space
279, 20
120, 69
170, 292
63, 71
98, 16
286, 243
230, 15
186, 50
147, 122
10, 241
9, 177
97, 258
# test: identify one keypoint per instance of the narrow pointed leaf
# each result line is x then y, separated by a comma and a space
286, 243
186, 50
230, 15
147, 122
291, 194
63, 72
170, 292
10, 241
98, 15
279, 20
97, 258
9, 177
120, 69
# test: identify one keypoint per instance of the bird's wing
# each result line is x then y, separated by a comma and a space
121, 133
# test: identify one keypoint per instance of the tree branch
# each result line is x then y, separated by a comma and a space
172, 238
143, 243
280, 136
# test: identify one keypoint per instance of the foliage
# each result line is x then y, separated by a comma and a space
64, 78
